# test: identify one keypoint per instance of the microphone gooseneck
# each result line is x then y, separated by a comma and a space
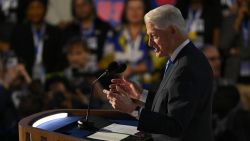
113, 68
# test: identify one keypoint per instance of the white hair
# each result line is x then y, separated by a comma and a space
164, 16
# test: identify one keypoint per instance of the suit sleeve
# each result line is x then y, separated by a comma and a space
181, 104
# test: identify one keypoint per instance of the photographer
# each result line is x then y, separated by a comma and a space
58, 94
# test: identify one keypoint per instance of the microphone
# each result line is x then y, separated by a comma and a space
113, 68
122, 67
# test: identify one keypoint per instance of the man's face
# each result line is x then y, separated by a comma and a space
77, 56
135, 11
36, 12
83, 9
160, 40
213, 57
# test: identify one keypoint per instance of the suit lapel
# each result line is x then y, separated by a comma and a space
169, 75
159, 95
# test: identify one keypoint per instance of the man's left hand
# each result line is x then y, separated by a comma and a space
120, 102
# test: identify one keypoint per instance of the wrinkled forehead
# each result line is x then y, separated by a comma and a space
151, 29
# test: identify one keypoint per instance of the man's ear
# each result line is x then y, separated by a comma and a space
172, 29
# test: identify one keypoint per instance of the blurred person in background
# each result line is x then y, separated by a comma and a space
9, 10
236, 126
13, 11
8, 114
213, 56
14, 75
58, 94
18, 100
8, 120
59, 12
5, 50
235, 43
61, 94
78, 57
78, 73
203, 19
37, 43
88, 26
129, 41
14, 82
226, 95
228, 7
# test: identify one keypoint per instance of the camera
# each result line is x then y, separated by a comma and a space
11, 62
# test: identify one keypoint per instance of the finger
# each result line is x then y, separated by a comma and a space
114, 102
116, 97
117, 81
111, 101
112, 86
114, 90
113, 96
123, 77
124, 87
106, 91
120, 90
109, 94
114, 106
125, 80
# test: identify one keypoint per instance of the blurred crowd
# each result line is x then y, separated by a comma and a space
52, 50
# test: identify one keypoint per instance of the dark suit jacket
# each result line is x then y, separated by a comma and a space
181, 108
23, 45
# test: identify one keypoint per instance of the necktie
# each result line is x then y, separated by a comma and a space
169, 63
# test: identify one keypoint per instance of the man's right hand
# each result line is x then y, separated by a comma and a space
126, 87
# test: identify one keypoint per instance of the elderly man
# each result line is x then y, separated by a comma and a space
180, 110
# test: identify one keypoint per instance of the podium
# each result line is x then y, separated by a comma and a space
61, 125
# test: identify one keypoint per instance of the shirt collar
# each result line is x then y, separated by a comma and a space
178, 49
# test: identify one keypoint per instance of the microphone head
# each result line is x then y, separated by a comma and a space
115, 68
122, 67
112, 67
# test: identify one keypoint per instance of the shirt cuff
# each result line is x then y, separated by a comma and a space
136, 113
144, 96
